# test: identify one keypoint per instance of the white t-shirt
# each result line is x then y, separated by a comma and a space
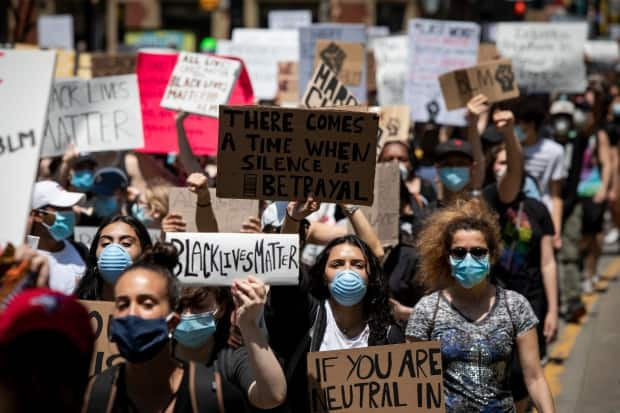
334, 339
66, 268
544, 161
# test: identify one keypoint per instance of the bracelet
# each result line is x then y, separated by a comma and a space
291, 217
350, 210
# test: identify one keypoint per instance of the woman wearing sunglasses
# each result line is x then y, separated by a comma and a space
479, 324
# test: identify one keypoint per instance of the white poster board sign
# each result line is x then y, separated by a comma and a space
100, 114
436, 47
546, 57
391, 63
55, 32
602, 51
25, 84
85, 234
220, 258
289, 19
200, 84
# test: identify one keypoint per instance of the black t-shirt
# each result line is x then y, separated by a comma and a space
523, 224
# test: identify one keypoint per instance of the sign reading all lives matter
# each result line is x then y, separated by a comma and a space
326, 90
436, 47
286, 154
200, 83
547, 57
101, 114
404, 378
494, 79
219, 258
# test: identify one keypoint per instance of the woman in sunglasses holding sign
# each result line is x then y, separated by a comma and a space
479, 324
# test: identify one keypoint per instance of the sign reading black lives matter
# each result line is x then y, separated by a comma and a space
404, 378
286, 154
220, 258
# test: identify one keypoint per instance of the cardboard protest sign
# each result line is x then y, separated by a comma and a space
285, 154
487, 51
391, 69
546, 57
603, 51
494, 79
65, 64
436, 47
160, 135
289, 19
85, 234
384, 214
25, 84
55, 31
229, 213
310, 35
325, 90
288, 78
200, 83
105, 354
403, 378
345, 59
171, 39
394, 123
101, 114
92, 65
218, 258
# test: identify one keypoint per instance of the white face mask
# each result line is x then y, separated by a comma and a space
501, 172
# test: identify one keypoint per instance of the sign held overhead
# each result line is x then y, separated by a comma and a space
326, 90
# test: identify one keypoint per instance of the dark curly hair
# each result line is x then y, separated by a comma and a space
375, 304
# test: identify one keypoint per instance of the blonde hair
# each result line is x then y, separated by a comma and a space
156, 195
435, 239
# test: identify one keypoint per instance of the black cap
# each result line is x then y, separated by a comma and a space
491, 136
108, 180
453, 147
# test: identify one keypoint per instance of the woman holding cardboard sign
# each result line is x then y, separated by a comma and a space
479, 325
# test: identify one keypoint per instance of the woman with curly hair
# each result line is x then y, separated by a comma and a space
479, 324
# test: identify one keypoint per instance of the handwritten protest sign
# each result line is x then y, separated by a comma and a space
546, 57
391, 69
229, 213
345, 59
85, 234
310, 35
55, 31
289, 19
288, 78
285, 154
220, 258
25, 83
105, 354
487, 51
326, 90
100, 114
495, 79
436, 47
394, 123
200, 83
403, 378
603, 51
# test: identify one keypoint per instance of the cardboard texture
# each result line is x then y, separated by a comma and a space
219, 258
394, 123
494, 79
65, 64
92, 65
288, 78
325, 90
371, 70
391, 74
345, 59
105, 353
229, 213
285, 154
487, 51
404, 378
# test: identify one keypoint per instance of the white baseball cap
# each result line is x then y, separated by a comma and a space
51, 193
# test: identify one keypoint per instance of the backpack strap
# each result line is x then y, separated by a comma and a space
302, 346
205, 389
101, 395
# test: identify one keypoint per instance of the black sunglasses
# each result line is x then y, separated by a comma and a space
461, 252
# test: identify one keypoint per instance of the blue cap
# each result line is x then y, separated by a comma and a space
108, 180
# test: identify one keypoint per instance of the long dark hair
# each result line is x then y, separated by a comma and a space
375, 304
90, 286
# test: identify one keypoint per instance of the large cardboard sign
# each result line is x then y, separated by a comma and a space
391, 69
200, 83
404, 378
85, 234
55, 31
288, 79
101, 114
289, 19
106, 353
25, 84
494, 79
229, 213
286, 154
218, 258
310, 35
345, 59
394, 123
436, 47
325, 90
546, 57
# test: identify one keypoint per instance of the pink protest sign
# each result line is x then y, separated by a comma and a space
160, 136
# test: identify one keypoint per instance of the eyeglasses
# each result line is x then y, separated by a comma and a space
461, 252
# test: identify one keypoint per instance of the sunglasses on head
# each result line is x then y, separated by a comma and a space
461, 252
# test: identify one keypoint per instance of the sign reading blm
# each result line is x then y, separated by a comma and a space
287, 154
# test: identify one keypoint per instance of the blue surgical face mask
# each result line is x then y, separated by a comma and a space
63, 225
83, 180
348, 288
194, 330
139, 211
106, 206
138, 339
520, 133
114, 259
470, 271
454, 178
